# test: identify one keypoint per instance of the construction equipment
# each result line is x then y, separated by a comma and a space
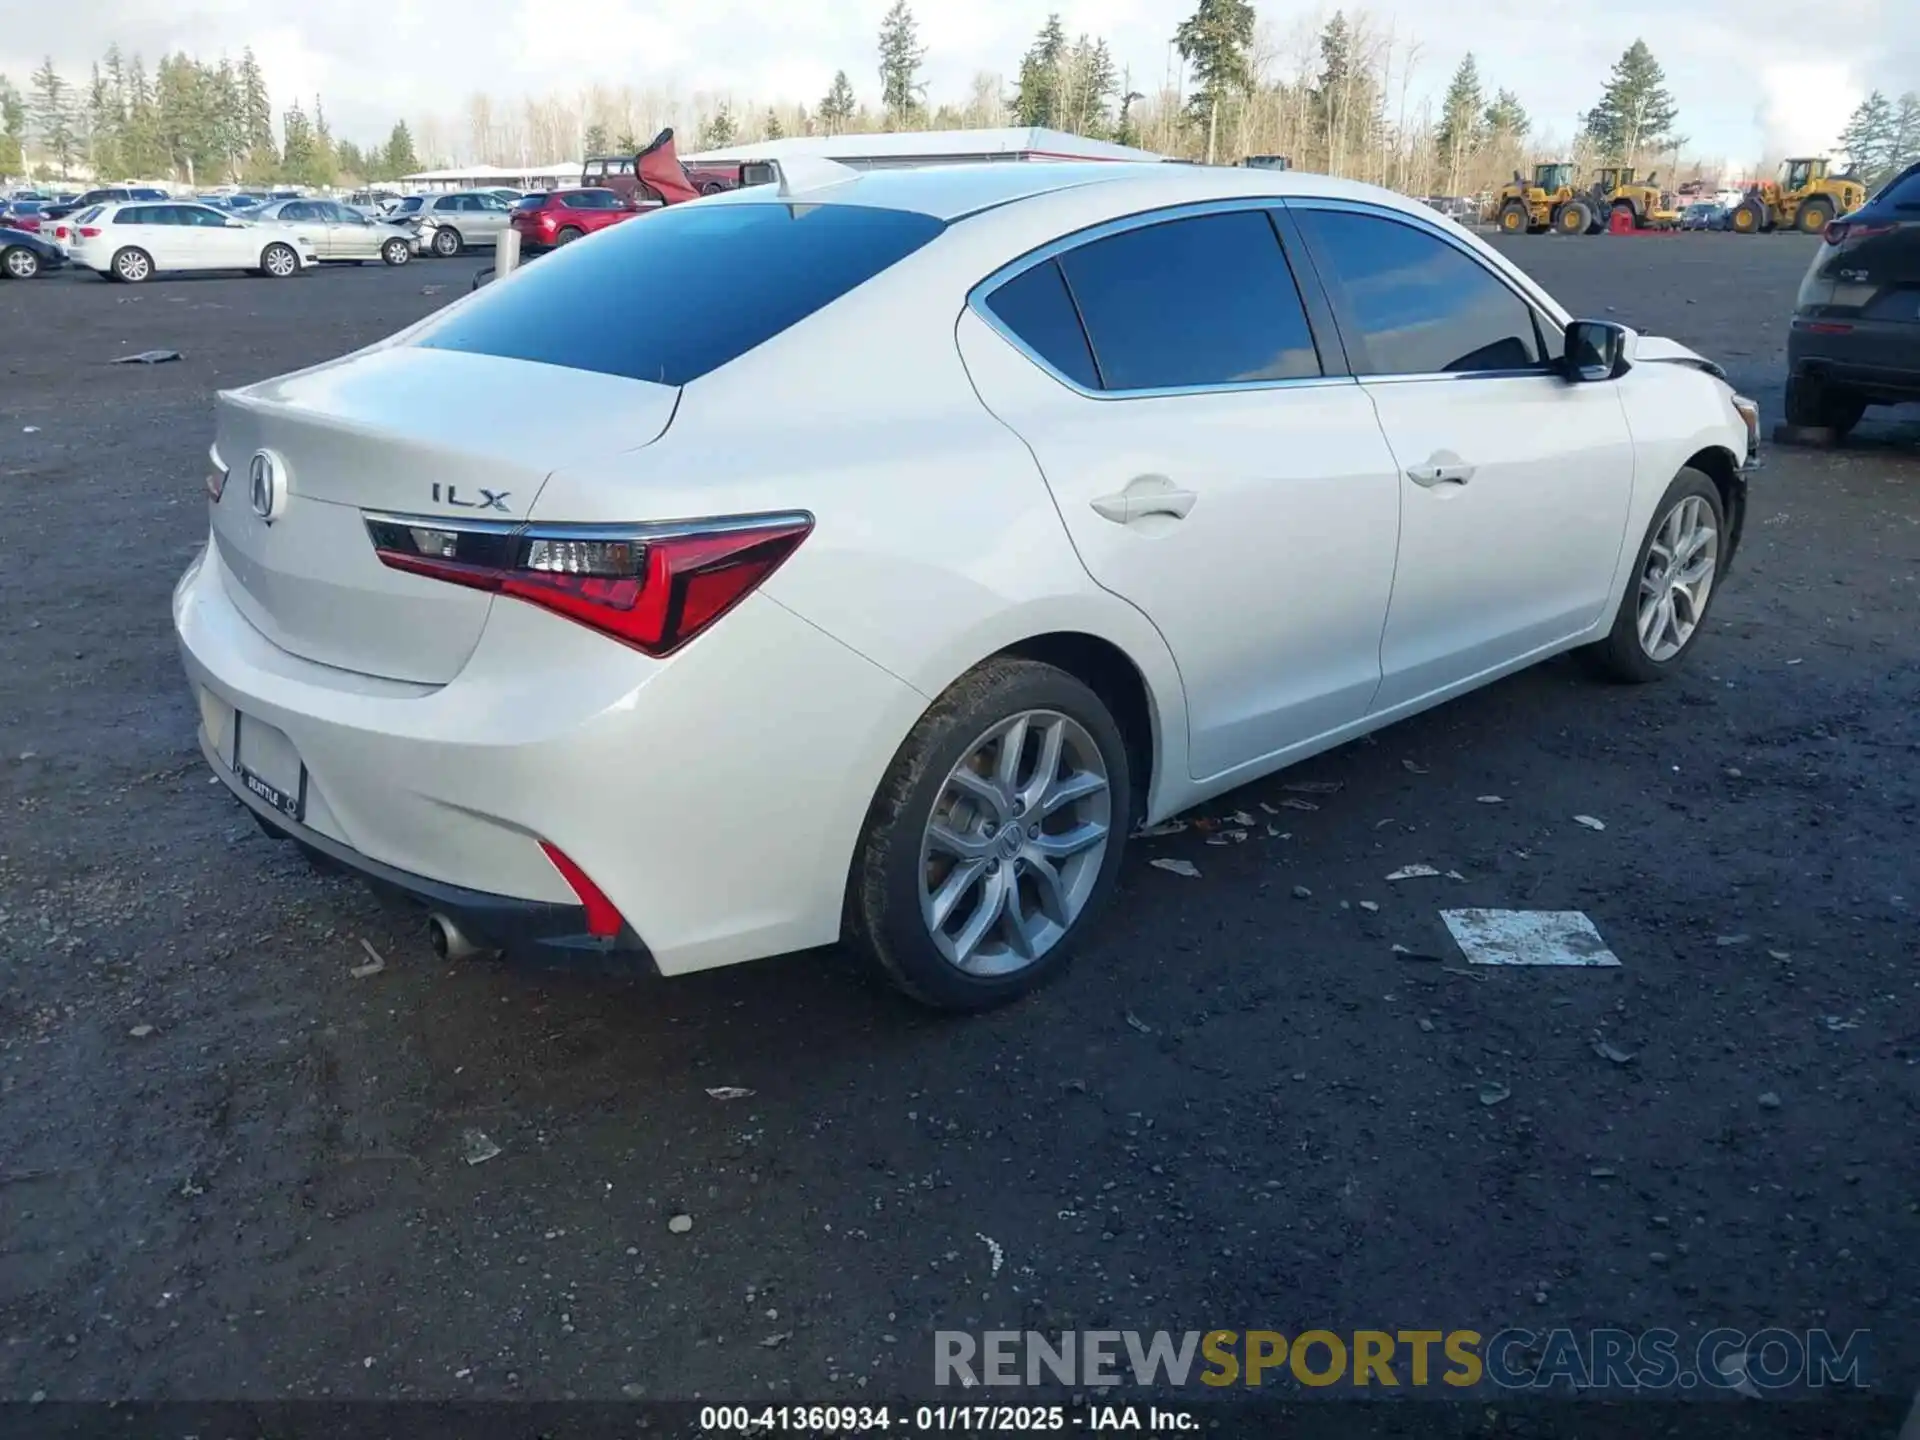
1804, 197
1624, 203
1531, 207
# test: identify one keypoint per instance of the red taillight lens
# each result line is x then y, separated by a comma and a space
654, 587
1838, 230
603, 919
89, 231
29, 224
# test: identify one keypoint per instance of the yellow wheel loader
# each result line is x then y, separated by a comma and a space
1804, 197
1531, 207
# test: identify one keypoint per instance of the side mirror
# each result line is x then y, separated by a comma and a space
1596, 350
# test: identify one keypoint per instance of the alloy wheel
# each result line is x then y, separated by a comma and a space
22, 263
281, 262
1014, 846
1677, 578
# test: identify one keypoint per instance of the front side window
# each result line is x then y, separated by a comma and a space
1409, 303
1204, 301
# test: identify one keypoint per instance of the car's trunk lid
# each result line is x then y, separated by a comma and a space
404, 430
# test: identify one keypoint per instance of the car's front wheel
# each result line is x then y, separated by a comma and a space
994, 838
396, 252
1664, 610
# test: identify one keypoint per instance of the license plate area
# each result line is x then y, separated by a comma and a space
269, 767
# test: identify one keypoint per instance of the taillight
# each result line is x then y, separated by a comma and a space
216, 478
1838, 230
603, 917
653, 587
59, 232
88, 231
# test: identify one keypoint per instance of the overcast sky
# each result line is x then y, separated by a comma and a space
1727, 61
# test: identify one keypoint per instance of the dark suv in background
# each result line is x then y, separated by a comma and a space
1855, 339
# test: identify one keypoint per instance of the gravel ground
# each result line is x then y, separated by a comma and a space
230, 1168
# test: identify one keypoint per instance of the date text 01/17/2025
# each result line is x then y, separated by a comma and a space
942, 1419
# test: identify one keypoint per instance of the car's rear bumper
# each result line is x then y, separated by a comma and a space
1881, 357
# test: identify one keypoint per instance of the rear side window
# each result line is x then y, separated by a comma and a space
684, 291
1409, 303
1902, 192
1202, 301
1036, 307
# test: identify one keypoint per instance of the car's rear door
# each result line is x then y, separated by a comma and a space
1213, 463
1513, 484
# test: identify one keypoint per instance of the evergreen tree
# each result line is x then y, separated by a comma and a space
228, 117
1872, 139
1906, 130
1505, 117
719, 129
353, 164
837, 108
52, 108
901, 53
299, 151
1636, 112
773, 129
103, 127
595, 141
255, 106
1034, 99
1462, 122
140, 147
400, 157
1215, 41
13, 129
325, 166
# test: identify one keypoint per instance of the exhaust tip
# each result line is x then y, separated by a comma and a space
449, 942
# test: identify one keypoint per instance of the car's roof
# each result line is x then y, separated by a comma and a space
948, 192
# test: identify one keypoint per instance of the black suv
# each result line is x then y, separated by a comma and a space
1855, 339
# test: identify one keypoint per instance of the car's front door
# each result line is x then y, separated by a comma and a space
1514, 483
216, 242
1210, 468
350, 236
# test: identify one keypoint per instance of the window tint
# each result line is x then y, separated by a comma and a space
1035, 306
447, 202
198, 215
1409, 303
1203, 301
408, 206
1902, 192
694, 287
531, 202
131, 215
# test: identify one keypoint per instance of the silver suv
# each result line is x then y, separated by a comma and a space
447, 224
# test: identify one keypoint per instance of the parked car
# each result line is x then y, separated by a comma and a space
1160, 540
562, 216
23, 214
23, 254
1855, 336
134, 242
340, 232
1706, 215
448, 224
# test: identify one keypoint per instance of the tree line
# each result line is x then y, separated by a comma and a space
1882, 136
205, 124
1336, 96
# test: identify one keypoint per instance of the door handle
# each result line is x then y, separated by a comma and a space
1148, 495
1437, 472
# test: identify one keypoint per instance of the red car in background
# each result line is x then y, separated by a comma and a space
561, 216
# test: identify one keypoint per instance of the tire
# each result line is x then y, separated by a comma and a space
568, 236
1749, 217
1691, 500
446, 242
396, 252
19, 263
133, 265
1574, 218
1814, 216
899, 872
279, 261
1514, 218
1813, 402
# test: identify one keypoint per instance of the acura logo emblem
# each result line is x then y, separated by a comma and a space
266, 485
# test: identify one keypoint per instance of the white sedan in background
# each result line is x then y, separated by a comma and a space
911, 539
136, 240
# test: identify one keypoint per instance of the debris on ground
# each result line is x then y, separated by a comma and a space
1413, 872
1527, 937
1422, 955
1426, 1026
1228, 837
1603, 1172
1301, 892
1242, 819
1412, 769
1176, 867
1724, 940
477, 1147
1490, 799
1165, 827
29, 429
1293, 802
141, 1032
148, 357
1836, 1023
1494, 1093
728, 1092
431, 289
1591, 822
1607, 1051
1314, 787
1372, 907
998, 1257
1137, 1023
375, 963
774, 1342
680, 1224
1769, 1101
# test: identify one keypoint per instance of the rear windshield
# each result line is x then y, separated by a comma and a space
531, 202
678, 293
409, 205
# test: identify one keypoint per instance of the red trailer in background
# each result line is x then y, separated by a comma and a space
656, 174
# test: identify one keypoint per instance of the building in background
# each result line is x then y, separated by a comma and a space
925, 147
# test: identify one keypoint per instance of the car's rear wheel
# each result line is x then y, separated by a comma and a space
20, 263
1664, 610
132, 265
396, 252
1812, 402
446, 242
995, 836
279, 261
568, 235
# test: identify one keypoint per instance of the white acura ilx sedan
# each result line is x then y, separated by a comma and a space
867, 556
